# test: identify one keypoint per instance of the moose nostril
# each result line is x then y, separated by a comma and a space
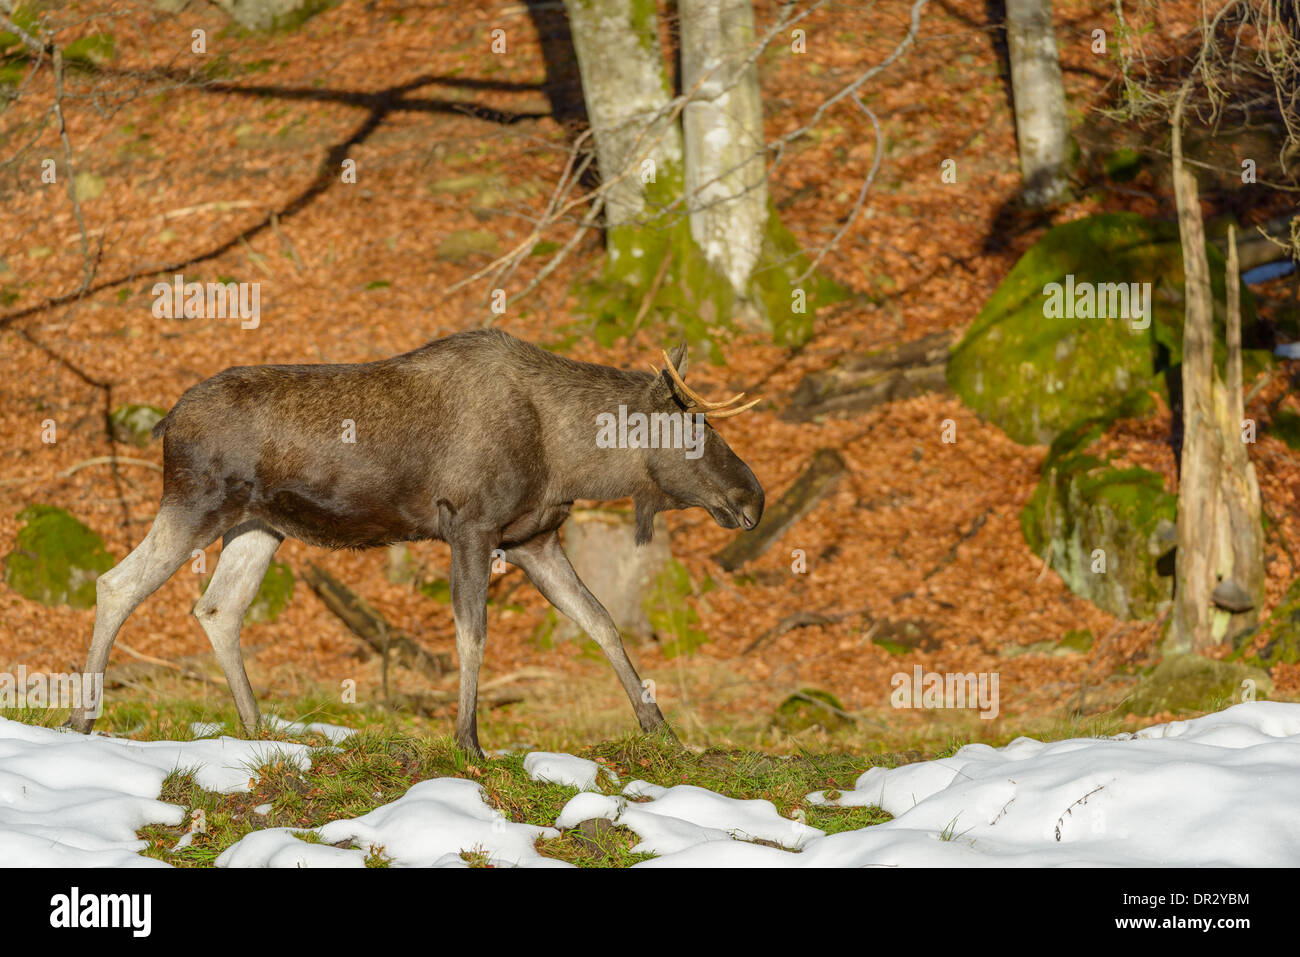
750, 514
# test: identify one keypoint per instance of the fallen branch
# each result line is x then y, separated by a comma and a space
800, 619
966, 536
861, 382
371, 627
817, 478
107, 459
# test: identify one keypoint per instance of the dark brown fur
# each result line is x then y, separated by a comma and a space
478, 439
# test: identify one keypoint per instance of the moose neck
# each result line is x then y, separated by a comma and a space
579, 468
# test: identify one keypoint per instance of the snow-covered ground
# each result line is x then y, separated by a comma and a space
1217, 790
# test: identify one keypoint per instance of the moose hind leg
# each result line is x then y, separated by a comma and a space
471, 569
544, 562
246, 553
170, 542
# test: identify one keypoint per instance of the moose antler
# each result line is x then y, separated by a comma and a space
714, 409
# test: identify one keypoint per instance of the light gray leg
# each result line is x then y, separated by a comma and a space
246, 552
471, 568
119, 591
545, 563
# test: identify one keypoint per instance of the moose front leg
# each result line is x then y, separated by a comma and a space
544, 562
471, 568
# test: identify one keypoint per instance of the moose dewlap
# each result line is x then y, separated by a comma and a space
478, 439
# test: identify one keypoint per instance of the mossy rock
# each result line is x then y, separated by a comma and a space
543, 636
464, 183
56, 558
905, 636
1186, 683
1277, 640
1123, 164
1035, 376
489, 190
1286, 426
1083, 504
1077, 641
439, 589
277, 15
465, 243
133, 423
810, 708
674, 621
272, 596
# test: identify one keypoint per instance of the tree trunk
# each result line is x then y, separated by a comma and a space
1241, 537
1198, 520
726, 171
627, 90
1042, 130
1220, 546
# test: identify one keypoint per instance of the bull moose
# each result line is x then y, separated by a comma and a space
478, 439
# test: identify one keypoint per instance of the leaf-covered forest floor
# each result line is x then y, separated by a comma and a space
448, 136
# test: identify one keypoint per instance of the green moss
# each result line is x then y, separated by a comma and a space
273, 596
1277, 640
93, 50
1123, 164
1081, 505
1186, 683
895, 648
543, 636
674, 621
1079, 639
775, 282
693, 300
132, 423
465, 243
808, 708
56, 558
1286, 426
645, 27
1035, 376
439, 590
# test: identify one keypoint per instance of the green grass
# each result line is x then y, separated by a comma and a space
384, 758
376, 766
389, 752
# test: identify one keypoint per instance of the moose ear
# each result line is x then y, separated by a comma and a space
678, 356
666, 387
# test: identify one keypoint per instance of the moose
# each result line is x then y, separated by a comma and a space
478, 439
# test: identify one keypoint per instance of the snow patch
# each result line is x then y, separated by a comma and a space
1216, 790
566, 769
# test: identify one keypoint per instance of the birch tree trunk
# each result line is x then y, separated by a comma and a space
1042, 131
1220, 540
627, 90
726, 170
